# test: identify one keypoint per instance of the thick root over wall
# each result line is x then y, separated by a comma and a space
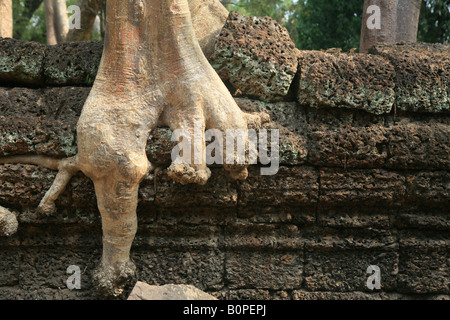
158, 77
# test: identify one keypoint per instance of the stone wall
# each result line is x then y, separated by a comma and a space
364, 177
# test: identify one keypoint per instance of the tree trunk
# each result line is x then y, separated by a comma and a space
102, 15
61, 21
408, 13
50, 22
208, 18
387, 27
6, 19
89, 11
30, 8
396, 20
56, 20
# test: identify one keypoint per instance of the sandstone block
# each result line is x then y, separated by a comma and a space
143, 291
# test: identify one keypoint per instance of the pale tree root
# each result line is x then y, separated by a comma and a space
186, 173
66, 169
117, 201
256, 120
198, 98
8, 223
111, 281
238, 170
197, 172
192, 173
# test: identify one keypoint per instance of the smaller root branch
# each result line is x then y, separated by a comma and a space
46, 162
66, 169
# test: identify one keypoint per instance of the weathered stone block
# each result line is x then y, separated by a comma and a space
72, 63
57, 231
9, 271
302, 216
21, 62
422, 82
27, 183
243, 235
83, 197
160, 146
423, 217
429, 188
361, 187
306, 295
418, 145
43, 268
181, 237
244, 294
47, 294
424, 262
31, 63
264, 270
361, 216
333, 239
339, 263
40, 121
345, 138
218, 192
348, 146
256, 55
291, 187
200, 268
356, 81
196, 215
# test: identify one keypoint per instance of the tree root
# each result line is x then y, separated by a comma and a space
8, 223
110, 282
66, 169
